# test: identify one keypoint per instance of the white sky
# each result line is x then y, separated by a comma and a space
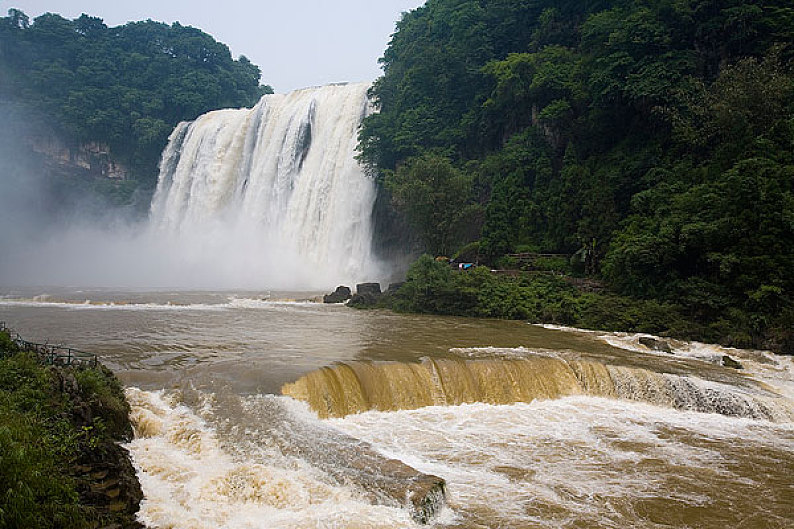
296, 43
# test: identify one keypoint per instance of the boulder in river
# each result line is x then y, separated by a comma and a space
656, 345
394, 287
340, 295
367, 295
363, 289
727, 361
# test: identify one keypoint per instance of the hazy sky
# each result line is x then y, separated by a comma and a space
296, 43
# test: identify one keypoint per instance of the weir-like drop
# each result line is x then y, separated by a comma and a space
355, 387
274, 191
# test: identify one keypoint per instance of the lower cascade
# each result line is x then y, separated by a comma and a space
355, 387
162, 425
277, 184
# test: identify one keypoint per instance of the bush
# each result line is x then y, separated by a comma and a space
103, 392
37, 445
7, 346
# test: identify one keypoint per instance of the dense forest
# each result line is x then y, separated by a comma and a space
652, 141
125, 87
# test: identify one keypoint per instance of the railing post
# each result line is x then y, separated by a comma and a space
52, 354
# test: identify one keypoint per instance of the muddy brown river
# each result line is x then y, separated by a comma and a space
527, 426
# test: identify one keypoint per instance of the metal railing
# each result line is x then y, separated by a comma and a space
48, 354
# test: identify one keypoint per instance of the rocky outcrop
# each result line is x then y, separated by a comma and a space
369, 295
394, 287
364, 289
91, 159
340, 295
107, 482
104, 474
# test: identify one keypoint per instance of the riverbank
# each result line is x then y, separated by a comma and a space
61, 465
433, 287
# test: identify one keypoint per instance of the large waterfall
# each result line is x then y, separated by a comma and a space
272, 194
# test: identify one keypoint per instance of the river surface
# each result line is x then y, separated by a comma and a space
204, 372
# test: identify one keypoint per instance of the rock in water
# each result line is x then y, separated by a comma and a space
727, 361
340, 295
362, 289
394, 287
656, 345
367, 295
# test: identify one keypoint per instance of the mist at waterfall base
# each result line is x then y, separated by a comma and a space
263, 198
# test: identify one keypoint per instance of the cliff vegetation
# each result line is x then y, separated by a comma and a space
650, 142
115, 93
60, 462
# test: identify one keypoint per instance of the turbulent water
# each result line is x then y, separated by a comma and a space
275, 189
349, 388
601, 435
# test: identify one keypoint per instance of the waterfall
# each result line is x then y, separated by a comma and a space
273, 193
354, 387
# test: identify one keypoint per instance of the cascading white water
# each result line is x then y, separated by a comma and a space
274, 191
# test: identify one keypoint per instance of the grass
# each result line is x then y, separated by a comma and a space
43, 434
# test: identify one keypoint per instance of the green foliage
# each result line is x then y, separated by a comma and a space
126, 86
653, 138
43, 433
36, 445
435, 198
103, 392
7, 345
434, 287
430, 288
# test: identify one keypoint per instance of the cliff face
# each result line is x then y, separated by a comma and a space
103, 472
90, 159
49, 176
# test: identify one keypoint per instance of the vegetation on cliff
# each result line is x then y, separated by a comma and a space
654, 139
125, 87
60, 464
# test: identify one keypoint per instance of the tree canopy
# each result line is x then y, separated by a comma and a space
656, 135
126, 86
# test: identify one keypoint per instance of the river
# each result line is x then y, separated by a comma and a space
214, 441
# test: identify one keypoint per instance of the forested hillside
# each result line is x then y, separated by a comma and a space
125, 87
653, 140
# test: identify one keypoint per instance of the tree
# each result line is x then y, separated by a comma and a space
17, 19
126, 86
435, 197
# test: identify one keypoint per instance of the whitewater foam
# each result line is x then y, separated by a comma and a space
191, 480
87, 304
775, 370
585, 461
